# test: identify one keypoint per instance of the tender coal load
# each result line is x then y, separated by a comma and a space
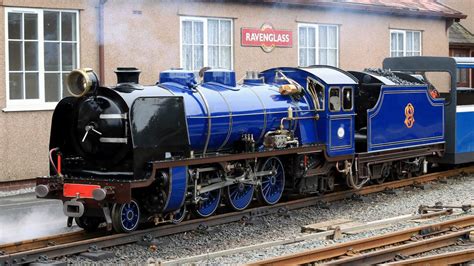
395, 77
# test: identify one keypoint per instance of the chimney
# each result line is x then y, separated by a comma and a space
127, 74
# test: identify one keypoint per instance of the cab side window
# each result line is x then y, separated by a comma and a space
334, 99
317, 92
347, 99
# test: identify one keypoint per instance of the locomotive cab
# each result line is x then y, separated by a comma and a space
337, 112
330, 91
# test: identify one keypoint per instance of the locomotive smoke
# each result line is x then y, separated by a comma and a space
18, 224
130, 33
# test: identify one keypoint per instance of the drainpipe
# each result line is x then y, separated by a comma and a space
101, 41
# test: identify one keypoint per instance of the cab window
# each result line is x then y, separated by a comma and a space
334, 99
316, 90
347, 99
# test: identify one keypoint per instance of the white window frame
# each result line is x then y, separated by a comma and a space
204, 20
34, 104
404, 33
316, 28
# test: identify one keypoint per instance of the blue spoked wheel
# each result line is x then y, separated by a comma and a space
239, 195
125, 217
179, 215
271, 189
209, 204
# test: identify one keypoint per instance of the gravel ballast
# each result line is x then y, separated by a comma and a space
456, 191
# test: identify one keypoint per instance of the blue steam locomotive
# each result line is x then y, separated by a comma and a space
134, 153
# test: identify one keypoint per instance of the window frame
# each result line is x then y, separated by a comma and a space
316, 82
316, 28
40, 103
467, 73
205, 20
343, 97
329, 99
404, 33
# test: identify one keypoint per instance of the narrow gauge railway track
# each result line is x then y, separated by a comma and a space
73, 243
447, 258
382, 248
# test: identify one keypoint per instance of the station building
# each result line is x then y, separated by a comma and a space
43, 40
461, 39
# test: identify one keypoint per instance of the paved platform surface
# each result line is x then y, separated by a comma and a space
27, 200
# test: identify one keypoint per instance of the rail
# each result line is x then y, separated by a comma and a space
73, 243
448, 258
388, 246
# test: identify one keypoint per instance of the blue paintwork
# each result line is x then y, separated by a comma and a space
336, 121
346, 124
464, 132
240, 195
210, 203
464, 119
256, 107
220, 76
273, 185
386, 128
253, 82
325, 129
178, 184
465, 65
242, 109
181, 77
227, 110
129, 216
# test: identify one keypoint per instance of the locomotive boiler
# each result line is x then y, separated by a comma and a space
188, 145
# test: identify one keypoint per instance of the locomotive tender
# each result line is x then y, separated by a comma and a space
131, 153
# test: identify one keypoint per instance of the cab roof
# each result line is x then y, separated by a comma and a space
327, 74
331, 75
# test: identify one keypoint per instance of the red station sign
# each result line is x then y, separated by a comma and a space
266, 37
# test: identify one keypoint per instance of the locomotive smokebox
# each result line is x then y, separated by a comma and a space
127, 75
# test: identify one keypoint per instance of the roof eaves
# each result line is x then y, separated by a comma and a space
369, 7
458, 34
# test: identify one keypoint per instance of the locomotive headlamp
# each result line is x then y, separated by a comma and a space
81, 81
